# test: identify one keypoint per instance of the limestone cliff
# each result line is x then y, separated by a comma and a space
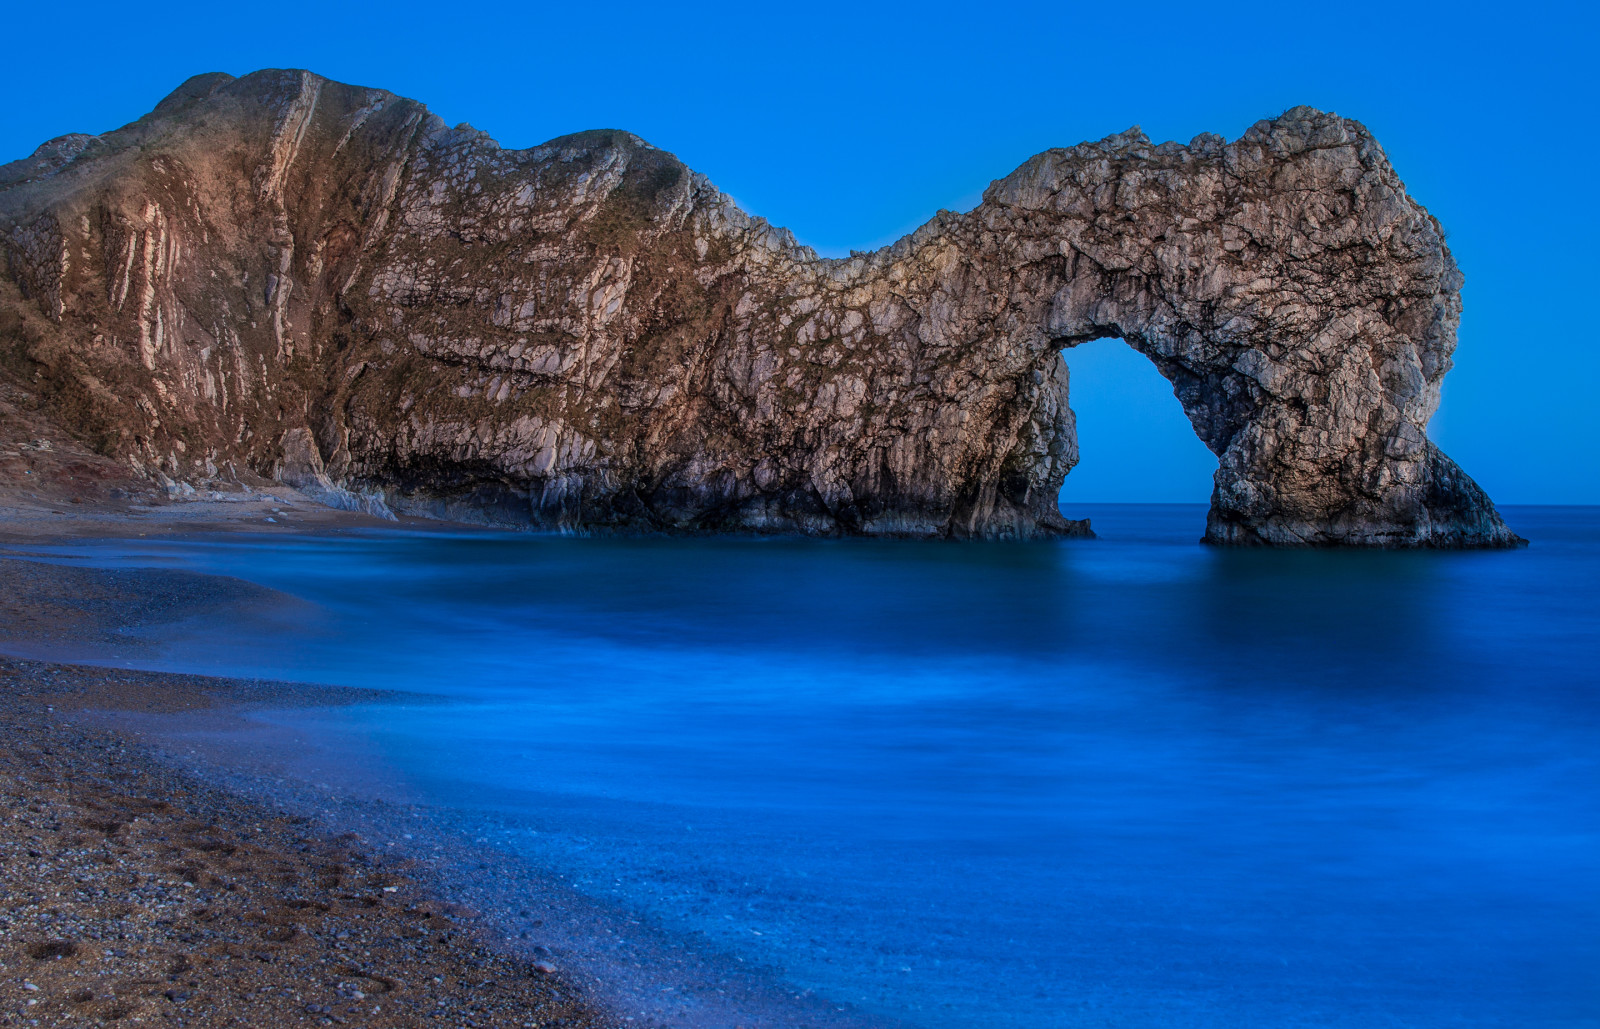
324, 283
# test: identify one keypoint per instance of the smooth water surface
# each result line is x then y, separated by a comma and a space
1130, 782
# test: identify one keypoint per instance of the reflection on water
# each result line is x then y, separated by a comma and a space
1130, 782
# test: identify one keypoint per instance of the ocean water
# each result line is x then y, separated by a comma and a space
1131, 781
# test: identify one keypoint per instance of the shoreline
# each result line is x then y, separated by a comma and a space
134, 889
560, 956
240, 744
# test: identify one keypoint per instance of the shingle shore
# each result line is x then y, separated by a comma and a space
132, 892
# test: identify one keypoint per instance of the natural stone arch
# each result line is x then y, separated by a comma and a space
1302, 306
1316, 411
590, 336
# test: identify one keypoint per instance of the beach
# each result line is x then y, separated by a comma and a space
132, 891
917, 786
135, 892
171, 857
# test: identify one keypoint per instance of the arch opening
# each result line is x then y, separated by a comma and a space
1136, 445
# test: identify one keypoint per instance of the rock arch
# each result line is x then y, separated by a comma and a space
589, 335
1302, 306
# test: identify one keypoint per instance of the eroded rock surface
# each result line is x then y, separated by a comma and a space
325, 284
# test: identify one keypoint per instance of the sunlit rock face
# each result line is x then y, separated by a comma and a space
324, 283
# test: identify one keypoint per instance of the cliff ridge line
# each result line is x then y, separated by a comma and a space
325, 284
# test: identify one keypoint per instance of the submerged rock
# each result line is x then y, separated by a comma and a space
324, 284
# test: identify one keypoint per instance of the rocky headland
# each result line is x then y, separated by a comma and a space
279, 277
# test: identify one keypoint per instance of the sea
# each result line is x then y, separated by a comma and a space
1129, 781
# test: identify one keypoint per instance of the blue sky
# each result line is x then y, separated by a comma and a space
852, 123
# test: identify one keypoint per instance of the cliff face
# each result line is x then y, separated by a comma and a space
323, 283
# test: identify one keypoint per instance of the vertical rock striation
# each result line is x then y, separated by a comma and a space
326, 284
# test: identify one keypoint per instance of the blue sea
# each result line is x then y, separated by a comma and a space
1131, 781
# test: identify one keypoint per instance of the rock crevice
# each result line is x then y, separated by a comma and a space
297, 276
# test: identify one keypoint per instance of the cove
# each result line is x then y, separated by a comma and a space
1130, 781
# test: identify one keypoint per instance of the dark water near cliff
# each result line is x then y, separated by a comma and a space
1125, 782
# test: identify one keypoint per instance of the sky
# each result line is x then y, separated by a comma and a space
852, 123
